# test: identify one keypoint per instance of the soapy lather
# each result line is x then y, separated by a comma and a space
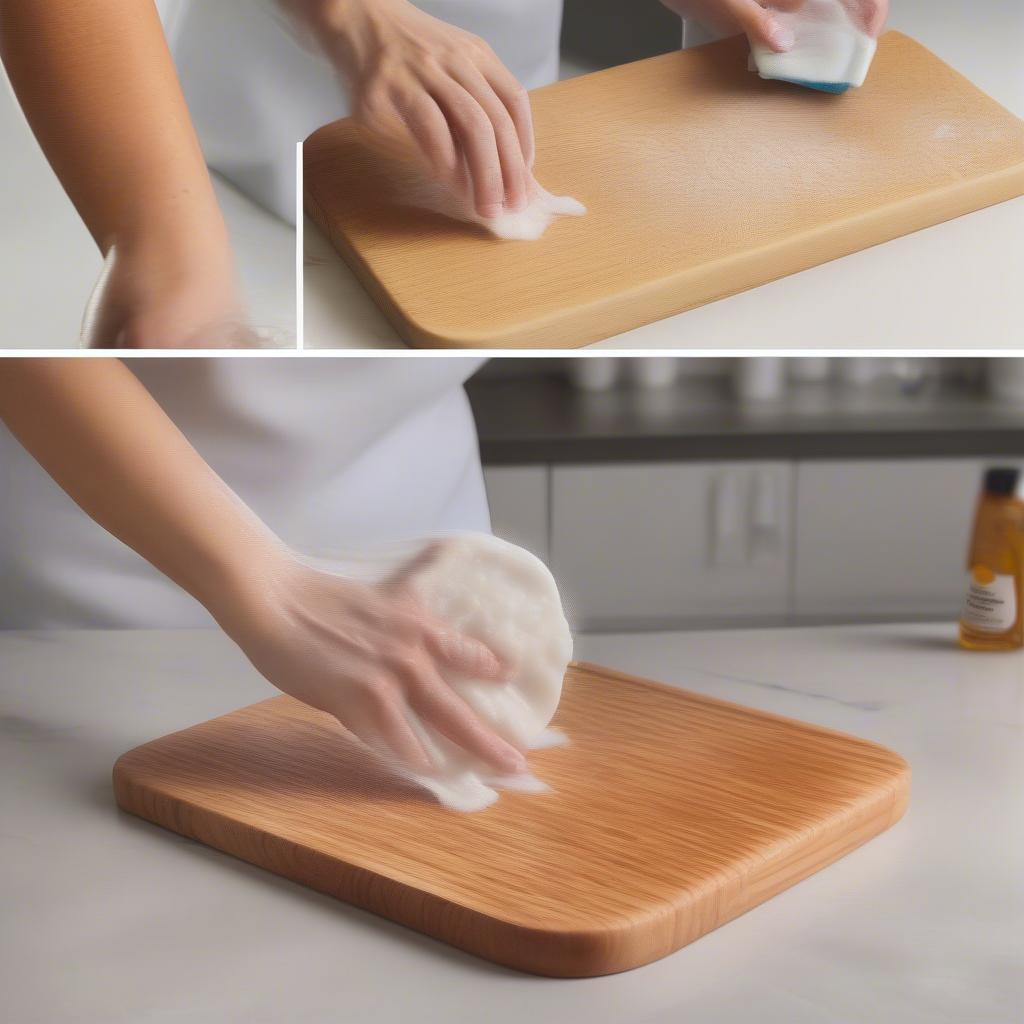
526, 225
504, 597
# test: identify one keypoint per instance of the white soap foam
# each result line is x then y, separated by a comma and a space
527, 225
505, 597
830, 46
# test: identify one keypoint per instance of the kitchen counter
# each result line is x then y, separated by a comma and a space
525, 420
952, 286
110, 919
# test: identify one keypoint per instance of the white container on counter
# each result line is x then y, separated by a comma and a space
809, 369
1006, 379
759, 378
590, 373
653, 372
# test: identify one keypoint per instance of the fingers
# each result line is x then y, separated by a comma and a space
429, 129
465, 114
872, 13
477, 144
512, 163
761, 25
383, 724
517, 102
451, 716
464, 655
450, 647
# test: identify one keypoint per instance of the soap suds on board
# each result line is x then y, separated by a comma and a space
507, 599
527, 225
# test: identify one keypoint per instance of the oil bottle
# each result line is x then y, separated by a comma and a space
992, 618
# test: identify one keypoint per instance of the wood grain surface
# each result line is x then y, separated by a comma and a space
670, 814
702, 180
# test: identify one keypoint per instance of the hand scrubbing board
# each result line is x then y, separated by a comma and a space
670, 814
701, 179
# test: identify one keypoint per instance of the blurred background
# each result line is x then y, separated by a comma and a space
693, 493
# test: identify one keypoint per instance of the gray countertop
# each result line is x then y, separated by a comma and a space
109, 919
530, 420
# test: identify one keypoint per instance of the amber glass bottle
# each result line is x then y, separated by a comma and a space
992, 617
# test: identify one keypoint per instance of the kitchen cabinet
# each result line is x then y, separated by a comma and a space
676, 544
658, 544
883, 539
518, 496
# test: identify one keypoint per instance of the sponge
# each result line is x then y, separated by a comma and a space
830, 53
505, 598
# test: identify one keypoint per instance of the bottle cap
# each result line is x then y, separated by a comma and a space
1002, 480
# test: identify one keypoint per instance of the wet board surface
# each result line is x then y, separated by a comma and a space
670, 814
701, 179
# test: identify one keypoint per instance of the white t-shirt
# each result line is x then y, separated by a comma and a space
330, 453
255, 89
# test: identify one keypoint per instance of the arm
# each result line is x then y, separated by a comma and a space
425, 89
358, 652
98, 86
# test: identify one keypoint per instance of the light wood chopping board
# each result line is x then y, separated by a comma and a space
670, 814
701, 179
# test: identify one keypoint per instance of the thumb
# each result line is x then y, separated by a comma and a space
761, 25
870, 15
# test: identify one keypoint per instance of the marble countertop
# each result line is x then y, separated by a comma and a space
917, 291
107, 918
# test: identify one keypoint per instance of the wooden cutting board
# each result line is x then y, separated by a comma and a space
702, 180
670, 814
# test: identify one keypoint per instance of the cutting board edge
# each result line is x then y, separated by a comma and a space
563, 952
354, 260
914, 41
551, 952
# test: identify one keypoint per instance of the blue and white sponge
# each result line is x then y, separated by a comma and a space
830, 51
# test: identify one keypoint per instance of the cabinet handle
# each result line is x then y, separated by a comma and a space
766, 526
729, 530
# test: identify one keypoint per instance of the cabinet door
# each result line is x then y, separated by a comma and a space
518, 497
662, 545
879, 540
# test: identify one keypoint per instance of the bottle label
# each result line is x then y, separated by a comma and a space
991, 605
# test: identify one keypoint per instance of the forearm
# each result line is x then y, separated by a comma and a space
99, 88
103, 438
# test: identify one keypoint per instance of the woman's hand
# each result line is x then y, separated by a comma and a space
361, 653
160, 295
423, 88
755, 19
365, 654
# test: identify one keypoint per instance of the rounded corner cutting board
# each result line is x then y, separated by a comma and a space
670, 814
702, 180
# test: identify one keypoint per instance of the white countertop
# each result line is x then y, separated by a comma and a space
107, 918
49, 263
955, 285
